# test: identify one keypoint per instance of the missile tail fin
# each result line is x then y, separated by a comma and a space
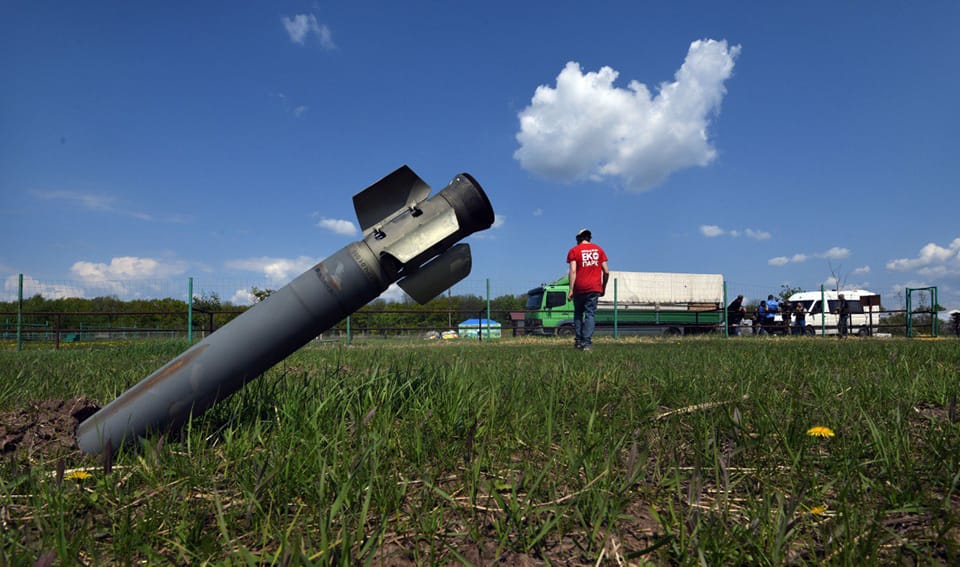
388, 197
438, 274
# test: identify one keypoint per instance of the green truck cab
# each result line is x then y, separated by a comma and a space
644, 303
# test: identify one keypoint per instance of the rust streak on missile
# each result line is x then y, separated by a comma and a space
162, 374
331, 283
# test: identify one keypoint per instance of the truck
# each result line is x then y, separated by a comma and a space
864, 313
645, 303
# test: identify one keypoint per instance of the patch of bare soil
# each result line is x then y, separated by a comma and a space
44, 429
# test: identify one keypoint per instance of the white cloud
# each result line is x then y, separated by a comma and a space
498, 222
778, 261
278, 270
339, 226
711, 230
95, 202
587, 128
861, 270
758, 234
934, 271
289, 106
89, 201
125, 276
931, 257
835, 253
242, 297
106, 204
538, 212
393, 293
301, 26
126, 268
33, 287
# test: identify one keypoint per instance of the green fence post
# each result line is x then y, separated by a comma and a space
488, 309
616, 312
909, 321
823, 312
723, 318
190, 310
933, 312
348, 330
19, 312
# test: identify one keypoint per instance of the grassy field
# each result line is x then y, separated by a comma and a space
763, 451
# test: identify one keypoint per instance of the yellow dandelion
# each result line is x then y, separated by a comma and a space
818, 510
77, 475
820, 431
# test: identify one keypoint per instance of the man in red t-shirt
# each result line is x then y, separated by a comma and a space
588, 281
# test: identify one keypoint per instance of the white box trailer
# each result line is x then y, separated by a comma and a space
818, 317
646, 303
664, 290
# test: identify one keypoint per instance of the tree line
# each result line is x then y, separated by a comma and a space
210, 311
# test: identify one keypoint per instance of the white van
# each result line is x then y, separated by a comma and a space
860, 316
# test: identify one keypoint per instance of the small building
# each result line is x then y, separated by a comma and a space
518, 321
471, 329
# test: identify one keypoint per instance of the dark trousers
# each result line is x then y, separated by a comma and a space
584, 311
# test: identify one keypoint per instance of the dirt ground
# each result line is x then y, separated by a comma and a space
45, 429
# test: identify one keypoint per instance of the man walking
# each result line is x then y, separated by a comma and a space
588, 281
843, 312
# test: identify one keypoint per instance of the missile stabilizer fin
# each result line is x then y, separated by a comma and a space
389, 197
438, 274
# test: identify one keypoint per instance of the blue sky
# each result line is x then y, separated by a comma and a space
775, 143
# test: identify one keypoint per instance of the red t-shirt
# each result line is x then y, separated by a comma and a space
589, 258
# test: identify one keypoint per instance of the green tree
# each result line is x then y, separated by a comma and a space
786, 291
260, 294
207, 301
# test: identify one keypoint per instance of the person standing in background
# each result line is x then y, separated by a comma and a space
760, 318
799, 320
588, 275
735, 314
843, 319
770, 314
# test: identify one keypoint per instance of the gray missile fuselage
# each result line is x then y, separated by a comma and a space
415, 244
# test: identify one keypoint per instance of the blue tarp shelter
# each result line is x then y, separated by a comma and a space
471, 328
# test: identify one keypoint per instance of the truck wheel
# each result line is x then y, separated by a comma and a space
809, 330
565, 331
672, 332
863, 332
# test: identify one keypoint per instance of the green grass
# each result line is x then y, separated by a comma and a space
660, 451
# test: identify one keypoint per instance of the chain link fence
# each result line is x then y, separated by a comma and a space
65, 312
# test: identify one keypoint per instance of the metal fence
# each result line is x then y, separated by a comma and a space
69, 327
74, 328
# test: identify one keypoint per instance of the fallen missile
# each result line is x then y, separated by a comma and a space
407, 238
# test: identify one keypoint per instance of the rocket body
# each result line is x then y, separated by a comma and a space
415, 245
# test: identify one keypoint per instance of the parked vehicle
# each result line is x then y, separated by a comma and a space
651, 303
863, 319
